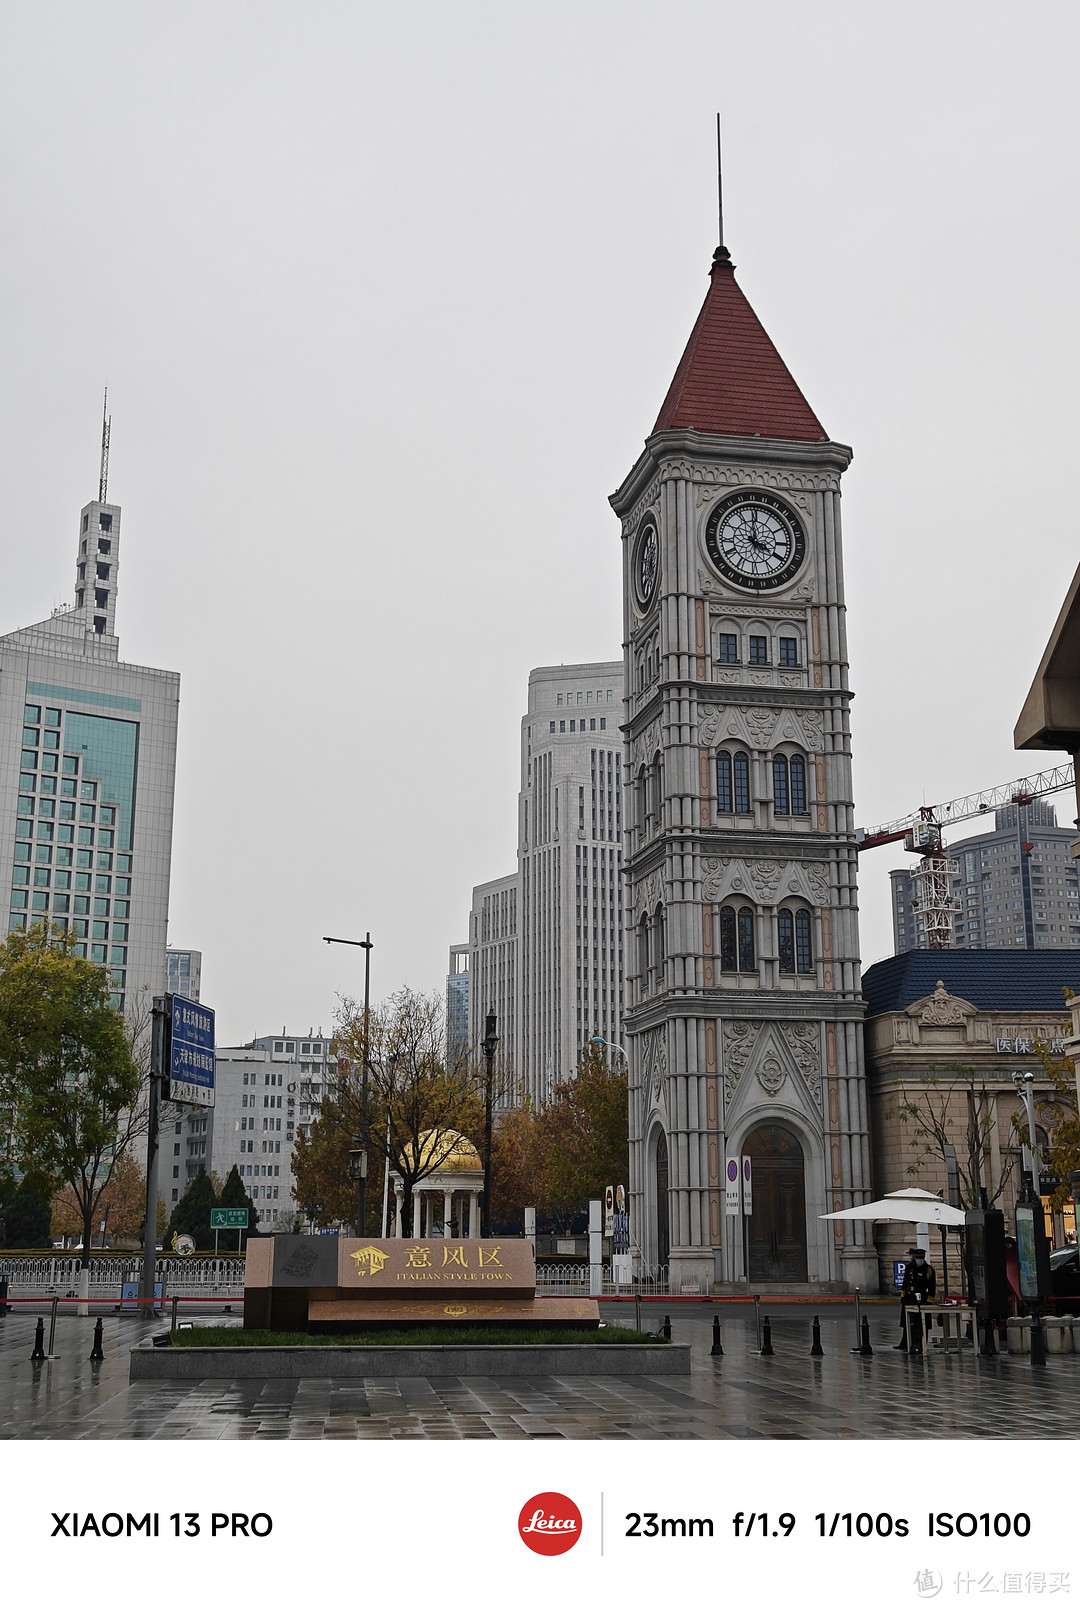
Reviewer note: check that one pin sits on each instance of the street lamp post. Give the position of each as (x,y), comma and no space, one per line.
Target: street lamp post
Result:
(1030,1231)
(358,1169)
(489,1046)
(1025,1085)
(616,1047)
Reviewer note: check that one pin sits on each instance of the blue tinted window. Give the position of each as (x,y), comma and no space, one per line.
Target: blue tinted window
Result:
(109,752)
(32,714)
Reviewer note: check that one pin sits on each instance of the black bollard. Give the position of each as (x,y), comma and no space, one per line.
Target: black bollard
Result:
(815,1349)
(766,1339)
(866,1349)
(38,1353)
(717,1347)
(665,1328)
(97,1355)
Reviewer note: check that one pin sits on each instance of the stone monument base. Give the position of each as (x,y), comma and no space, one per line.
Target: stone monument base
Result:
(541,1312)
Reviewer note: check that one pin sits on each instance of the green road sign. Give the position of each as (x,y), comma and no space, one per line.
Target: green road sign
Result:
(228,1217)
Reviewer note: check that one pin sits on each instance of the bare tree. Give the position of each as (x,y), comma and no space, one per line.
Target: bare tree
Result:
(419,1096)
(954,1108)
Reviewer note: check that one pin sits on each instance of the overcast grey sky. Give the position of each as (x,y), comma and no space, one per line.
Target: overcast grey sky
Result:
(387,298)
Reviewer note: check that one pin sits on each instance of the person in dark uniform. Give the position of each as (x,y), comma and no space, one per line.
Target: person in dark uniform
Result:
(919,1287)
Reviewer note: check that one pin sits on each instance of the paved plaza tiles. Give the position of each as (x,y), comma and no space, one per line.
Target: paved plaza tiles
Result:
(740,1396)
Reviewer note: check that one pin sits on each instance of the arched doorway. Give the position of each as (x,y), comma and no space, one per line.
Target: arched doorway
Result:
(777,1228)
(663,1222)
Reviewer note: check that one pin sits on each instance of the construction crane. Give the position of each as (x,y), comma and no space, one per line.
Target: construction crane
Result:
(921,832)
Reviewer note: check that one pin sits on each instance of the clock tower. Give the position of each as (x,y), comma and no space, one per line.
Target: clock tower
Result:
(744,1012)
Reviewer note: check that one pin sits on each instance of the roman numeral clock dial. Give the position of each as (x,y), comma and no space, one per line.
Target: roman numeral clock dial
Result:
(755,541)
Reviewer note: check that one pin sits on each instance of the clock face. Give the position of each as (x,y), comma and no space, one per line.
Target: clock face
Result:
(755,540)
(647,564)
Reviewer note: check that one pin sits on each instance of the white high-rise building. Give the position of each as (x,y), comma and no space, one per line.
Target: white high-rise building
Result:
(547,941)
(87,762)
(184,972)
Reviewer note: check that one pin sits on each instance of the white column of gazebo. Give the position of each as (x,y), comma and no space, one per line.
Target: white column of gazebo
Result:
(425,1203)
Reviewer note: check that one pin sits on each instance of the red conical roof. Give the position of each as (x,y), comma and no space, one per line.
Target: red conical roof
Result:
(731,380)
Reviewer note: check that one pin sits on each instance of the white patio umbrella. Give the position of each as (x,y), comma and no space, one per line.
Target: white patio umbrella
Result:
(904,1206)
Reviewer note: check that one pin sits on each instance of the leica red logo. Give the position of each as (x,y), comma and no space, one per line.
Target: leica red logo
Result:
(549,1523)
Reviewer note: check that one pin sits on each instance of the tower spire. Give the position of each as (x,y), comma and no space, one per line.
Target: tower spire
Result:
(721,254)
(106,431)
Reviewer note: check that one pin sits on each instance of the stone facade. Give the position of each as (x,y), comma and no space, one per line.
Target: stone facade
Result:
(955,1062)
(734,1050)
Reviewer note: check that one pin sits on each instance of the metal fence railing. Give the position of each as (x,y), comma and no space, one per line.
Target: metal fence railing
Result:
(572,1278)
(181,1275)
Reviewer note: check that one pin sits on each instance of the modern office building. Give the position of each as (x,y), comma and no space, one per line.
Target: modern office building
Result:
(267,1092)
(183,972)
(87,761)
(570,829)
(546,948)
(745,1014)
(457,1001)
(1015,887)
(494,976)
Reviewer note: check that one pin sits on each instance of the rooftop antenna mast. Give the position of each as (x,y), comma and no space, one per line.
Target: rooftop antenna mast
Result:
(106,431)
(721,254)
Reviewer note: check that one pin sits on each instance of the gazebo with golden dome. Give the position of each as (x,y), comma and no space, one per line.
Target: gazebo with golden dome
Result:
(457,1176)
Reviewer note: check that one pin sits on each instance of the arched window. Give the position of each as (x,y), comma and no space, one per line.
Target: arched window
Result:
(793,941)
(658,944)
(658,792)
(729,954)
(643,955)
(804,954)
(737,939)
(798,784)
(746,940)
(741,769)
(643,803)
(723,783)
(789,784)
(781,788)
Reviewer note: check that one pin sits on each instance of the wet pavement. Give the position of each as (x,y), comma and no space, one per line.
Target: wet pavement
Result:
(740,1396)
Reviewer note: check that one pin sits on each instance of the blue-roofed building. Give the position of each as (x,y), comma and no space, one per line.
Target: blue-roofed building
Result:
(946,1030)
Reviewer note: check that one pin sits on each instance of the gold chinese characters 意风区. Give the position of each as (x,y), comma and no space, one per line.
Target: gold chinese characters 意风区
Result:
(492,1266)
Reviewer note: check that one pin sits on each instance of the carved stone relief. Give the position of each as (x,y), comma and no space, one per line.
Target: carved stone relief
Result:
(760,724)
(645,745)
(710,721)
(771,1075)
(764,876)
(941,1010)
(763,879)
(803,1040)
(649,892)
(778,479)
(739,1039)
(818,878)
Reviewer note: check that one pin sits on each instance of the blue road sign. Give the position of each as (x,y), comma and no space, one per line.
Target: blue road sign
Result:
(191,1052)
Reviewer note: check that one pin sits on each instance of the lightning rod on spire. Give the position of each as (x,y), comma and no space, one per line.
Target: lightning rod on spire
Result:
(719,183)
(721,255)
(106,431)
